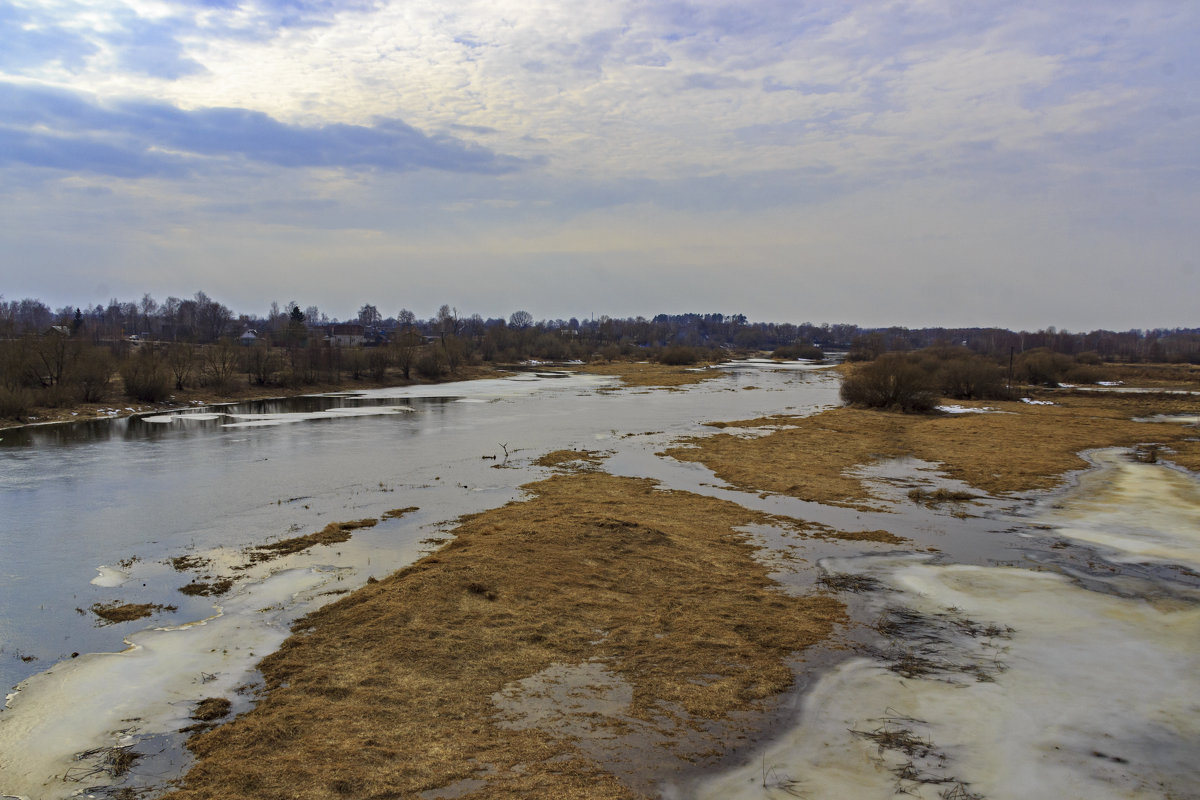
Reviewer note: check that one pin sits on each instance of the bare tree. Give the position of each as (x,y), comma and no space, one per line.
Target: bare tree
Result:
(220,363)
(447,321)
(368,316)
(181,360)
(405,347)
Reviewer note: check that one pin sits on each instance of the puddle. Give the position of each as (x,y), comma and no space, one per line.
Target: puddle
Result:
(576,700)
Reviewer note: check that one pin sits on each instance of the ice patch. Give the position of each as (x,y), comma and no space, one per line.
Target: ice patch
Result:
(1008,683)
(285,418)
(89,702)
(1141,512)
(766,363)
(957,409)
(1045,720)
(1032,402)
(160,419)
(109,576)
(1183,419)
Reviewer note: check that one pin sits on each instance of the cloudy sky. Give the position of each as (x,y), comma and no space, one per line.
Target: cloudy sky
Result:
(909,162)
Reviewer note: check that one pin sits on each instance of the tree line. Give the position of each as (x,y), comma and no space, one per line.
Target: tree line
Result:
(147,350)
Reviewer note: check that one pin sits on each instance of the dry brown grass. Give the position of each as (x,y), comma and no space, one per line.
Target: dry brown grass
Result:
(1028,447)
(387,692)
(332,533)
(211,708)
(650,374)
(571,459)
(208,587)
(396,513)
(127,612)
(1167,376)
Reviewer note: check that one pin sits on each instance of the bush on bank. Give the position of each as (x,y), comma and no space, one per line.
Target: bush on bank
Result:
(891,381)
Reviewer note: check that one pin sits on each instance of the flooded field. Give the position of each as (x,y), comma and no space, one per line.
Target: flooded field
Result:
(968,667)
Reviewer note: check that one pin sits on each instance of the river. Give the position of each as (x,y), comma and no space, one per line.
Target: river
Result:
(94,512)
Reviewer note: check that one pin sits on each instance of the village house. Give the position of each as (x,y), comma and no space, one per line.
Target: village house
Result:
(345,335)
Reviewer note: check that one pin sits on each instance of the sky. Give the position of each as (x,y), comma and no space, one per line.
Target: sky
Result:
(891,162)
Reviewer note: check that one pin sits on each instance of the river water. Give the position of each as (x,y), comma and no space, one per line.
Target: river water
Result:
(93,512)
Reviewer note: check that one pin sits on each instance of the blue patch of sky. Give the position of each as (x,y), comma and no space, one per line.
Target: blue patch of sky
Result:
(31,40)
(125,138)
(77,154)
(310,13)
(152,47)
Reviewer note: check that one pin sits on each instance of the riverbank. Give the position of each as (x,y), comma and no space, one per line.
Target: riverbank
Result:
(570,644)
(639,374)
(997,447)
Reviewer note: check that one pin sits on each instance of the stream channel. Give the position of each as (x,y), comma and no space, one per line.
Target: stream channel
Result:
(1045,647)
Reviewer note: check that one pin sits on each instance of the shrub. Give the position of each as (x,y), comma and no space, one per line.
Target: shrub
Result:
(378,361)
(1042,367)
(891,381)
(678,355)
(92,374)
(60,395)
(430,364)
(15,403)
(799,350)
(145,377)
(1085,373)
(610,352)
(971,377)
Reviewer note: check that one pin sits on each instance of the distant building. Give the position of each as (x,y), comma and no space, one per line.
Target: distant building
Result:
(249,337)
(347,335)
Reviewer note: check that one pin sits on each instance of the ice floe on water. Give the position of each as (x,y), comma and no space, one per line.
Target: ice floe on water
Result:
(284,418)
(199,416)
(768,363)
(1138,512)
(253,420)
(103,700)
(1002,682)
(109,576)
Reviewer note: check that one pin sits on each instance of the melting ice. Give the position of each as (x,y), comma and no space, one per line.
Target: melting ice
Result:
(1002,682)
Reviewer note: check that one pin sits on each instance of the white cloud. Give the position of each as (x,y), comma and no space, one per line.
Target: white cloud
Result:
(875,143)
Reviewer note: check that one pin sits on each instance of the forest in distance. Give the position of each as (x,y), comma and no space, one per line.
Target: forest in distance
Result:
(148,352)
